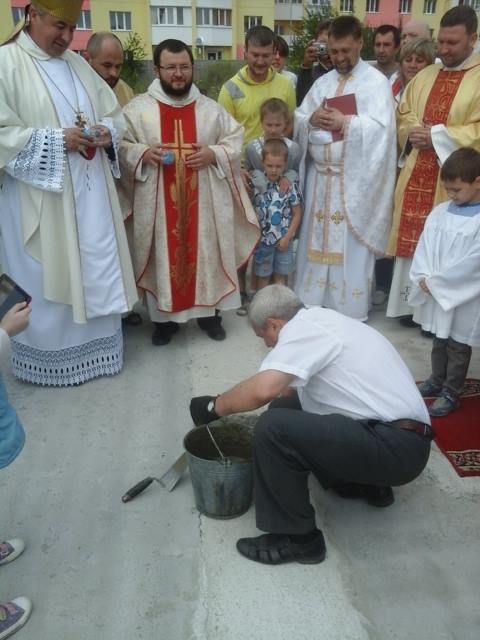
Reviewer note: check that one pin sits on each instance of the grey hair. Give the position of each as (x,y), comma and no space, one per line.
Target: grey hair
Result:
(273,301)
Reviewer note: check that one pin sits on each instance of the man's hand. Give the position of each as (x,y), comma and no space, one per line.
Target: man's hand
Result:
(102,136)
(154,155)
(201,159)
(328,119)
(310,55)
(75,138)
(200,411)
(420,138)
(282,244)
(16,319)
(423,285)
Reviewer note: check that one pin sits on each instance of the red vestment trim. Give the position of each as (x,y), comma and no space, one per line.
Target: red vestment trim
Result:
(180,186)
(419,196)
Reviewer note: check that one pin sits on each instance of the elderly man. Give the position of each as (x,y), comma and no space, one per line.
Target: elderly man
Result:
(106,55)
(346,127)
(193,224)
(62,229)
(358,428)
(414,29)
(439,112)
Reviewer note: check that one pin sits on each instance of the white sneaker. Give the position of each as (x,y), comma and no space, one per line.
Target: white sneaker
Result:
(11,549)
(13,615)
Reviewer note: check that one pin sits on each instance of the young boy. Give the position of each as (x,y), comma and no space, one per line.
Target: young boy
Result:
(279,214)
(446,280)
(275,121)
(13,614)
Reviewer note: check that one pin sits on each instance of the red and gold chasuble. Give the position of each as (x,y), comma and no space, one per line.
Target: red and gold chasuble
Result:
(180,186)
(420,190)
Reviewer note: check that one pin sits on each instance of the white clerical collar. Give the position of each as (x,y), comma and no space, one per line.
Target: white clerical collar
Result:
(157,93)
(31,47)
(462,65)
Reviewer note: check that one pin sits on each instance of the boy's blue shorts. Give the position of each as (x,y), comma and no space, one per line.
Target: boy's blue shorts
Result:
(268,259)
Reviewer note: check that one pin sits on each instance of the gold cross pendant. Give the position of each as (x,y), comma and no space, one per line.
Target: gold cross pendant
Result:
(81,120)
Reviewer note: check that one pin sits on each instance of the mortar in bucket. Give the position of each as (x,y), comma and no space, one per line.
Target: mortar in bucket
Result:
(221,468)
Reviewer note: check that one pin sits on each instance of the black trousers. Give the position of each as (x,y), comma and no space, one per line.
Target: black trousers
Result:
(290,443)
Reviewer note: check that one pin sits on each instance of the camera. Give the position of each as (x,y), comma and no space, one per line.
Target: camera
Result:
(321,47)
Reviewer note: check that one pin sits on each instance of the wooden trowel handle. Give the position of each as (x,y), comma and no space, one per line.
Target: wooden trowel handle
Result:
(138,488)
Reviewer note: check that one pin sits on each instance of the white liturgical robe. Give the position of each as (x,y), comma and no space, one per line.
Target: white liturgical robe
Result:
(448,258)
(348,186)
(62,230)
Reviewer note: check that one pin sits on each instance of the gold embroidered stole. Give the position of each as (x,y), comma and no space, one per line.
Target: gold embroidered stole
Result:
(181,203)
(420,190)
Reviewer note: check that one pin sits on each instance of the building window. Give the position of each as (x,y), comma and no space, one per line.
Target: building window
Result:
(405,6)
(346,6)
(166,15)
(214,17)
(279,29)
(84,20)
(17,14)
(323,4)
(429,6)
(222,17)
(251,21)
(120,21)
(372,6)
(475,4)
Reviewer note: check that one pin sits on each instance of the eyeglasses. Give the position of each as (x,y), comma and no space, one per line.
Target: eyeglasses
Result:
(172,68)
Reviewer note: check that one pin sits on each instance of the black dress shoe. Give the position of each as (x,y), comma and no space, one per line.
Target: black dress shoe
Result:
(213,327)
(163,332)
(279,548)
(427,334)
(132,320)
(375,496)
(408,321)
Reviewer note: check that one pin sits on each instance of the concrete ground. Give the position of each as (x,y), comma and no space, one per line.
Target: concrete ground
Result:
(154,569)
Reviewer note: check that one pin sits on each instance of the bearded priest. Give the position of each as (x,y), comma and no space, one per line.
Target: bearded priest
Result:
(191,221)
(62,229)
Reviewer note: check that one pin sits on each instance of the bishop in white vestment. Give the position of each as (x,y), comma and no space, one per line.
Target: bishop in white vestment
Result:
(348,180)
(62,230)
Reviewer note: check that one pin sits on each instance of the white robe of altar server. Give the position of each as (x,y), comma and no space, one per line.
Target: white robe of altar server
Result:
(62,229)
(448,257)
(348,187)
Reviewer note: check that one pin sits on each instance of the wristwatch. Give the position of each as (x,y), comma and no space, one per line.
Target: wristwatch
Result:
(211,405)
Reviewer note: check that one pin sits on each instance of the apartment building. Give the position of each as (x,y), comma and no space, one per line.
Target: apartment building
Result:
(122,17)
(289,13)
(216,28)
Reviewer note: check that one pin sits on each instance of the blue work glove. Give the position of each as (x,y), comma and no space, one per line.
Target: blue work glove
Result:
(202,410)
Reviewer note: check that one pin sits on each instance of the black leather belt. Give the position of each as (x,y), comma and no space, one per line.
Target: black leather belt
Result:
(414,425)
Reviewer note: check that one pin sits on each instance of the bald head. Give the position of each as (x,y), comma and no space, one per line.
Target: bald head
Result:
(105,54)
(415,29)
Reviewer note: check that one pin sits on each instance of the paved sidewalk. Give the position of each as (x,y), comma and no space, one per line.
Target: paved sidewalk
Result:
(155,569)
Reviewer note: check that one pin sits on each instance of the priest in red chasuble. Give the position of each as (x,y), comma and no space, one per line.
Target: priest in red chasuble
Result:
(439,112)
(191,222)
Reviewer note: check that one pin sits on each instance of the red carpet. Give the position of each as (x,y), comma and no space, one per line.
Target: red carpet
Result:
(458,434)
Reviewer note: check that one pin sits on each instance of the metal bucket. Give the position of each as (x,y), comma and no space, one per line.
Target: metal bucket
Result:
(222,487)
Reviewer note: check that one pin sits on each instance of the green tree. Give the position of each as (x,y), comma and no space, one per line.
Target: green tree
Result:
(134,67)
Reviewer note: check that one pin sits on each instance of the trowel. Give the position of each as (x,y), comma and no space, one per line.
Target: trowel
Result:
(169,479)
